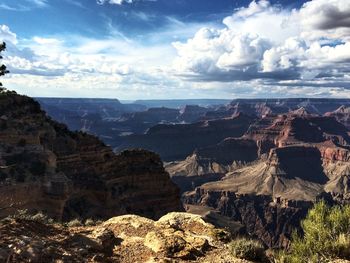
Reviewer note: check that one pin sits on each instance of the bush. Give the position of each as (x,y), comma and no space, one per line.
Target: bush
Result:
(74,223)
(248,249)
(23,214)
(90,222)
(326,236)
(42,218)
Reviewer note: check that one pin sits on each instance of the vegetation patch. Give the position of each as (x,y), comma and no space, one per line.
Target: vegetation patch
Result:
(248,249)
(326,236)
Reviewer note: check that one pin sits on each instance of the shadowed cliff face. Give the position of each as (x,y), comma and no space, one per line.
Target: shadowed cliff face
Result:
(342,114)
(299,162)
(175,142)
(45,167)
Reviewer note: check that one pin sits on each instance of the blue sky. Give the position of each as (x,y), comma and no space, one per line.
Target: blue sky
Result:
(136,49)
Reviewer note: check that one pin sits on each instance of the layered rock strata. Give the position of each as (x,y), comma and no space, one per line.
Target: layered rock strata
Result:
(45,167)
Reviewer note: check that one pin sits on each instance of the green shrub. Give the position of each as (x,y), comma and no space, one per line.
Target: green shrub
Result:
(74,223)
(90,222)
(42,218)
(23,214)
(326,236)
(248,249)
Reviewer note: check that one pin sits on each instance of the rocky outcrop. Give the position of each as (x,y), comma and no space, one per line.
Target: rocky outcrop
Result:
(297,127)
(211,163)
(45,167)
(176,237)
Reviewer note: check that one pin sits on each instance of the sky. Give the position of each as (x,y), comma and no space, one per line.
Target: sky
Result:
(177,49)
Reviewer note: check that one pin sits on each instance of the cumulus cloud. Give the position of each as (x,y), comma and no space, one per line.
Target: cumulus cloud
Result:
(261,50)
(7,35)
(326,14)
(265,42)
(324,18)
(263,19)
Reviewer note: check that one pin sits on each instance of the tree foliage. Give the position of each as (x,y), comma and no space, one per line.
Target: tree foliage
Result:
(326,236)
(3,69)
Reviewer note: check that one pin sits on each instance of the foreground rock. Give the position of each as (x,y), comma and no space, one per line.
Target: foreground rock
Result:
(176,237)
(45,167)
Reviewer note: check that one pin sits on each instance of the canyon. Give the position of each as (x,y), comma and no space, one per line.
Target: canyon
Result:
(254,167)
(46,167)
(272,174)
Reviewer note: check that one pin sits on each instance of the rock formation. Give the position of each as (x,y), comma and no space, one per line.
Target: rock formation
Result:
(262,107)
(254,166)
(211,163)
(175,142)
(176,237)
(45,167)
(271,197)
(289,161)
(192,113)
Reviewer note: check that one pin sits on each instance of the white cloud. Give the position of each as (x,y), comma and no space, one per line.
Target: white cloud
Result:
(267,43)
(24,5)
(263,19)
(39,3)
(261,51)
(326,14)
(325,18)
(46,41)
(212,51)
(87,67)
(120,2)
(7,35)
